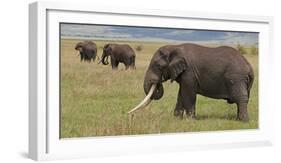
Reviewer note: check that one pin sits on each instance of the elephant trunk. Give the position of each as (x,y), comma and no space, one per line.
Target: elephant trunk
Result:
(158,93)
(150,79)
(104,59)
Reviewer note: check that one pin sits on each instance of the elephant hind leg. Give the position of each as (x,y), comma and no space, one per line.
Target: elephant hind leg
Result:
(126,67)
(94,58)
(133,66)
(239,94)
(242,113)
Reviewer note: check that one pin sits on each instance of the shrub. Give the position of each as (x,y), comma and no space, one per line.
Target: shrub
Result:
(254,50)
(241,49)
(139,48)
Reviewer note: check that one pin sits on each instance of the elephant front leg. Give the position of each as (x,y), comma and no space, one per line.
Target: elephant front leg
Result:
(81,57)
(242,113)
(178,112)
(114,64)
(126,67)
(188,96)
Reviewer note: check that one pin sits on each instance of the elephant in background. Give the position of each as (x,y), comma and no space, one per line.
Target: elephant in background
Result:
(219,73)
(119,53)
(87,50)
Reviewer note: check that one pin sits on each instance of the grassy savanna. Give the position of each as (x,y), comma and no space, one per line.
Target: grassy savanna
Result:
(95,99)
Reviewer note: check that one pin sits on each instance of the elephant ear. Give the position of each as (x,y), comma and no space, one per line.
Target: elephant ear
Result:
(78,45)
(107,48)
(176,66)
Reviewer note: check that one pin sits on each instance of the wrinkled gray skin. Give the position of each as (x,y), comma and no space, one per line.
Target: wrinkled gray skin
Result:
(87,50)
(119,53)
(219,73)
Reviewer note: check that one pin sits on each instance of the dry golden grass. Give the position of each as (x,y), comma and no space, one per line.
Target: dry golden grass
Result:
(95,100)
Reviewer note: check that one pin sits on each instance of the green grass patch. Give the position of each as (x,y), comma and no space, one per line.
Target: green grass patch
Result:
(95,100)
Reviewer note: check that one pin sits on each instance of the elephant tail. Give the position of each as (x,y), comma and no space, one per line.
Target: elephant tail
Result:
(133,59)
(250,82)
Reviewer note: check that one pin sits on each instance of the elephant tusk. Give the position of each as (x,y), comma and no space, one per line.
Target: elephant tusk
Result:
(145,101)
(106,60)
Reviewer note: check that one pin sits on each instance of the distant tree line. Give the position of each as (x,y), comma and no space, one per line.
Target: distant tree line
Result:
(253,49)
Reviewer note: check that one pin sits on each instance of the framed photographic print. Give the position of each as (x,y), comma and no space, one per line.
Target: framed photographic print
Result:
(110,81)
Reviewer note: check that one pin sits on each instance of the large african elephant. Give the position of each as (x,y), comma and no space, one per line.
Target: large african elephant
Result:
(119,53)
(220,73)
(87,50)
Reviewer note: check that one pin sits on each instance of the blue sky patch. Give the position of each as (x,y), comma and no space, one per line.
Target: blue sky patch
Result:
(157,34)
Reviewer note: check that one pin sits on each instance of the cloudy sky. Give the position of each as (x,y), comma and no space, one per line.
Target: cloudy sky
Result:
(157,34)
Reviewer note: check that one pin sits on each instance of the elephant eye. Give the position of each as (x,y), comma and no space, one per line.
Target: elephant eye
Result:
(156,66)
(160,66)
(164,58)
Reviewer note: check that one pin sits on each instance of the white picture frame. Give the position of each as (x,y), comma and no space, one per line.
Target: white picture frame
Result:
(44,141)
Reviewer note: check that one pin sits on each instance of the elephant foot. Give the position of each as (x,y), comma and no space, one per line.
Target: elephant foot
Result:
(178,113)
(242,113)
(243,117)
(190,114)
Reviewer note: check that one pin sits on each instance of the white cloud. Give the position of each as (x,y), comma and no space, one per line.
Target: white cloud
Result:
(91,31)
(179,32)
(112,32)
(240,37)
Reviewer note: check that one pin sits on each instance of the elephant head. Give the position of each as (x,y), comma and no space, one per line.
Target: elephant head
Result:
(79,46)
(107,51)
(167,63)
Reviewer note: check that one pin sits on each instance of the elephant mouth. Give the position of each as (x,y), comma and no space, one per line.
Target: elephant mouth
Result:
(154,91)
(158,92)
